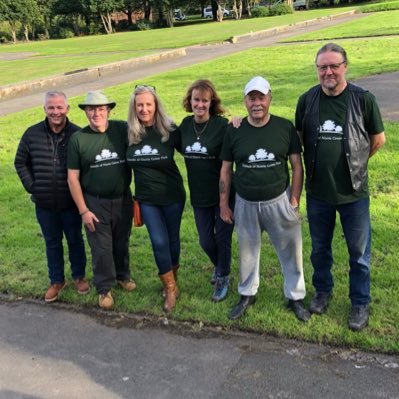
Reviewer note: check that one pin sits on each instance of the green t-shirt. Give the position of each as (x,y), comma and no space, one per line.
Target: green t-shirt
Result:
(331,180)
(100,157)
(156,176)
(260,155)
(200,146)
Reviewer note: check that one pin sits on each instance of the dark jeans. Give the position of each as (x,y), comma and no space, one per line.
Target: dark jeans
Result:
(355,221)
(214,237)
(54,225)
(109,243)
(163,225)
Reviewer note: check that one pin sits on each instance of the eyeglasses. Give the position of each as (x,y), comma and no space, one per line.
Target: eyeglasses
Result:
(333,67)
(145,87)
(91,109)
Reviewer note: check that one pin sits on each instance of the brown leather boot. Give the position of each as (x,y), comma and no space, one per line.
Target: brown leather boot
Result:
(175,268)
(171,291)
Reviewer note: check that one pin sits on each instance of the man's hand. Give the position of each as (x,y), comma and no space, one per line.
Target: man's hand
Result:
(226,214)
(88,219)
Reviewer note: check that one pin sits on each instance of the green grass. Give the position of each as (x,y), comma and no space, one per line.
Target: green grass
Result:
(379,24)
(383,6)
(290,70)
(89,51)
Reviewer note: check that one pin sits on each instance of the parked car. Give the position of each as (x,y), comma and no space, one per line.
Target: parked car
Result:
(179,16)
(208,12)
(300,5)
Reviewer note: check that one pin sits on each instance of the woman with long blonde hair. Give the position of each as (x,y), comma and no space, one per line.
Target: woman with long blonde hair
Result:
(158,182)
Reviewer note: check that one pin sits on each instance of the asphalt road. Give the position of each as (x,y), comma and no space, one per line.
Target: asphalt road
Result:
(52,351)
(195,55)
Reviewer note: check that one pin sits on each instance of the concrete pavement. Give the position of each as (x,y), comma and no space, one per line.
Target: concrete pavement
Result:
(55,350)
(194,55)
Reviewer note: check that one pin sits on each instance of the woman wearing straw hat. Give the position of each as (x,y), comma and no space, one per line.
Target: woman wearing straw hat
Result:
(158,183)
(99,181)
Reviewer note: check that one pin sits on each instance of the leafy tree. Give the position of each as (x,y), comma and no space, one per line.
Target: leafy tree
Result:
(102,9)
(73,10)
(19,12)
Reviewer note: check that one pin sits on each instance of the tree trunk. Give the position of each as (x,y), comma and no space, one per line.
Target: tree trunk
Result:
(26,32)
(169,18)
(107,22)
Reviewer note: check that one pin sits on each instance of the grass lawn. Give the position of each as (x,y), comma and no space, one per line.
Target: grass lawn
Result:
(370,25)
(49,56)
(290,69)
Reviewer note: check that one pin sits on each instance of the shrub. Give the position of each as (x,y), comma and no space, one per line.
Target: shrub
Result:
(260,12)
(142,25)
(280,9)
(64,33)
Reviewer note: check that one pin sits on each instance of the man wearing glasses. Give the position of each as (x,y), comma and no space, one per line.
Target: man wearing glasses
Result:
(341,128)
(99,181)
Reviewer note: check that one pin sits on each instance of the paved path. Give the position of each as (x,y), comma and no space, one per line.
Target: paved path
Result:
(195,55)
(58,351)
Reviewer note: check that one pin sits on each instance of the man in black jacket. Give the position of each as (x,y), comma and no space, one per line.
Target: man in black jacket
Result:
(341,127)
(40,162)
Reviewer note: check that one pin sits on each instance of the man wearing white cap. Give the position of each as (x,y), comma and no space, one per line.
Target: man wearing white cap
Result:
(99,180)
(265,199)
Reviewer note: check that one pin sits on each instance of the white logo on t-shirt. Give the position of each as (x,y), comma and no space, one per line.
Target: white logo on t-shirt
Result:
(329,126)
(196,148)
(146,150)
(261,155)
(106,155)
(106,158)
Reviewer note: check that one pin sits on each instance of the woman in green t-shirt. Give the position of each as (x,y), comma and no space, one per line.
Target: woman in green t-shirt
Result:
(201,141)
(158,183)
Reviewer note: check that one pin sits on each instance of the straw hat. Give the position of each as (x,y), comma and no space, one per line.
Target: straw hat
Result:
(97,98)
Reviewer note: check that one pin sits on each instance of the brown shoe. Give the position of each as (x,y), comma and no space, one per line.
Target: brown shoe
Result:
(82,286)
(53,291)
(105,301)
(174,270)
(171,291)
(128,285)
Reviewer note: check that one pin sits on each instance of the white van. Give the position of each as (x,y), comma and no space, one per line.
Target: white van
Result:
(208,12)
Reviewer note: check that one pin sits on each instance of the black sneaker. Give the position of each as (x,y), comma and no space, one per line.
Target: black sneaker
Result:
(221,288)
(213,278)
(299,309)
(242,306)
(319,302)
(358,317)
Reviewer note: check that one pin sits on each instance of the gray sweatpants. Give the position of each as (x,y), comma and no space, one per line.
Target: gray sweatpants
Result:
(282,223)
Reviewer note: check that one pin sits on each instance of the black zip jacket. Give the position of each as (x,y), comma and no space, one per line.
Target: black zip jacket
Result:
(41,164)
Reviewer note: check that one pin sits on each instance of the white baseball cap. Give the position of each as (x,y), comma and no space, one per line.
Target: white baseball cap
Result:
(259,84)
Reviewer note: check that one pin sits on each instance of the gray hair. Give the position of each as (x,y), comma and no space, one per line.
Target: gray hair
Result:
(163,124)
(55,93)
(336,48)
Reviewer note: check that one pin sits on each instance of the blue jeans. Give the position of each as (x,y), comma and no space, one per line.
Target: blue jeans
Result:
(214,237)
(355,221)
(54,224)
(163,225)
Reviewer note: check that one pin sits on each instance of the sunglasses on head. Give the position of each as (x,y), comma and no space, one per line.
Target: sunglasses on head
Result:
(145,87)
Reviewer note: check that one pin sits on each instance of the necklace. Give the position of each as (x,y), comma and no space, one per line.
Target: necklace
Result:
(199,132)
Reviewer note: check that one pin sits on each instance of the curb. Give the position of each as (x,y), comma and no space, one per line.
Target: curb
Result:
(83,75)
(286,28)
